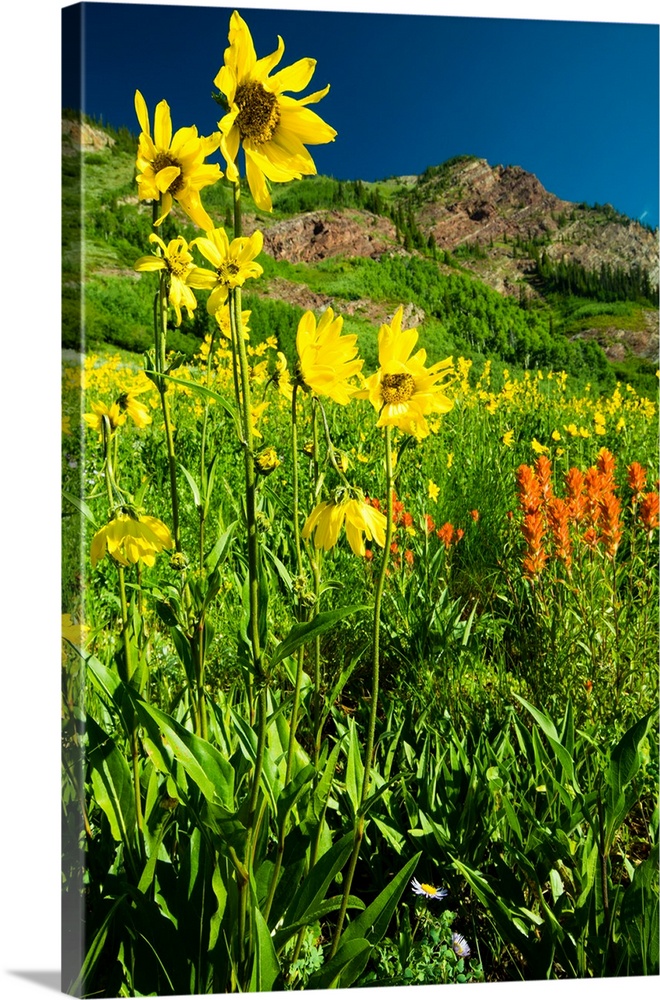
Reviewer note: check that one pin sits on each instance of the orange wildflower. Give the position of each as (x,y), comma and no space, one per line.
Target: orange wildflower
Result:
(429,523)
(575,497)
(590,538)
(648,511)
(605,464)
(596,488)
(610,513)
(558,523)
(446,534)
(636,480)
(474,514)
(410,558)
(543,469)
(529,490)
(536,556)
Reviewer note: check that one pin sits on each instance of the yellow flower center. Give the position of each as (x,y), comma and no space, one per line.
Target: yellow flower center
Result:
(259,112)
(163,160)
(178,264)
(430,889)
(227,272)
(397,388)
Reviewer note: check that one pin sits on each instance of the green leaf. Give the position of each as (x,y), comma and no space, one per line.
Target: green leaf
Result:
(80,505)
(588,874)
(314,888)
(111,782)
(546,724)
(327,906)
(354,767)
(373,923)
(304,631)
(564,759)
(95,950)
(193,486)
(556,884)
(211,772)
(201,390)
(220,893)
(266,968)
(344,968)
(625,758)
(248,741)
(219,551)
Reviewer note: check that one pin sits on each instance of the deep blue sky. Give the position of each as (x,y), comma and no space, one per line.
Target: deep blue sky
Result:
(576,103)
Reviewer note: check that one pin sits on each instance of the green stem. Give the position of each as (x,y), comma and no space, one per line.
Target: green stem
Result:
(299,564)
(161,337)
(375,679)
(250,479)
(245,406)
(316,570)
(135,745)
(330,446)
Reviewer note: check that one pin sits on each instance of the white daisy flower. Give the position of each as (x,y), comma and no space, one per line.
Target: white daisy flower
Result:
(430,891)
(460,945)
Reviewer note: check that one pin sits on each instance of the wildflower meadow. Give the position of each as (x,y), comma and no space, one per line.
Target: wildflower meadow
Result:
(360,660)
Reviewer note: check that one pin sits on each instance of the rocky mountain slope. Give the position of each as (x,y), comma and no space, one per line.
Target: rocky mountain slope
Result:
(494,224)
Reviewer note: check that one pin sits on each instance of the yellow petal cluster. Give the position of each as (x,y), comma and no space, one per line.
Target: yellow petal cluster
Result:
(131,539)
(403,391)
(176,259)
(232,264)
(101,411)
(360,519)
(72,632)
(326,358)
(135,409)
(272,127)
(171,166)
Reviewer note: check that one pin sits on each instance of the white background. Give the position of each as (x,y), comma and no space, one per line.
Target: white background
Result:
(29,476)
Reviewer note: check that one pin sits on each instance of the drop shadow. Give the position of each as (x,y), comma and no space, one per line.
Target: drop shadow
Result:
(49,980)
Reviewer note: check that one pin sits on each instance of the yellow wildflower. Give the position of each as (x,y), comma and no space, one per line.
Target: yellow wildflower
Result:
(267,461)
(177,260)
(256,413)
(130,538)
(272,127)
(72,632)
(112,414)
(507,438)
(281,377)
(450,459)
(233,263)
(136,410)
(173,166)
(403,391)
(326,359)
(556,436)
(328,517)
(539,448)
(223,321)
(434,491)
